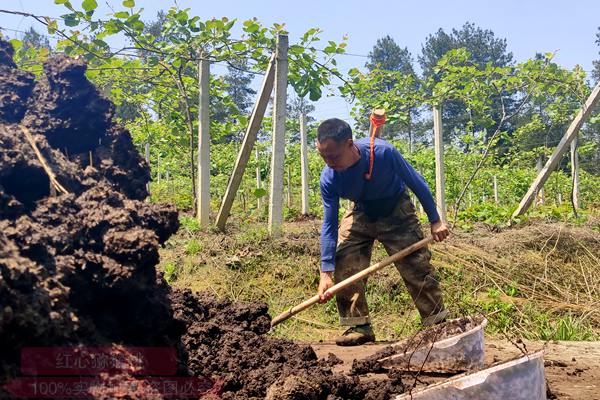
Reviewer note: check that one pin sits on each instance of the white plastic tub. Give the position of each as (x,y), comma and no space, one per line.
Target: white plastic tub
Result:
(451,354)
(519,379)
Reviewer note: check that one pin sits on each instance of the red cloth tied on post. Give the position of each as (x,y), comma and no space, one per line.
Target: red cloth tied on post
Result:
(377,121)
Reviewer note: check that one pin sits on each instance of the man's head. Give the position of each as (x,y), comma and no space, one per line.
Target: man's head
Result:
(334,143)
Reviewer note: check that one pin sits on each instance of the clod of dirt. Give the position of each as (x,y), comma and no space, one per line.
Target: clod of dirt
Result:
(372,363)
(227,339)
(377,390)
(68,109)
(555,363)
(295,387)
(332,360)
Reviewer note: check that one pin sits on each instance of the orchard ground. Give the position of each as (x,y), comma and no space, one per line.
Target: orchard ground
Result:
(537,280)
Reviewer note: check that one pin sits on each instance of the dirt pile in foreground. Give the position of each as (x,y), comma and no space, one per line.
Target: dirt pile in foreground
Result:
(79,246)
(228,340)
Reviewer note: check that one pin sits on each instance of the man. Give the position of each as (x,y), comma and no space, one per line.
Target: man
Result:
(381,211)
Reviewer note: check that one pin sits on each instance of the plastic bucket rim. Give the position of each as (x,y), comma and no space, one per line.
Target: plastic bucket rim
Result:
(488,371)
(454,338)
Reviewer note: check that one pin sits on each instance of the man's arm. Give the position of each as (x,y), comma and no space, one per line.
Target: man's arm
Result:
(329,232)
(417,184)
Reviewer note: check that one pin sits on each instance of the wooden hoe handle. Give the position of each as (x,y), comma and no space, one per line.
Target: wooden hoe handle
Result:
(352,279)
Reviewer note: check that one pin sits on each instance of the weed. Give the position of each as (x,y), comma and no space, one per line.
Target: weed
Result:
(189,224)
(170,270)
(193,247)
(566,327)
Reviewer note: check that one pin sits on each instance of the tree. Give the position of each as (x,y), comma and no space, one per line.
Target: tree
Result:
(155,28)
(32,49)
(596,71)
(387,55)
(484,48)
(389,58)
(238,84)
(482,44)
(590,154)
(32,38)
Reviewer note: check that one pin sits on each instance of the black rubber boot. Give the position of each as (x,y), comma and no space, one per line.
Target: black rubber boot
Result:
(356,335)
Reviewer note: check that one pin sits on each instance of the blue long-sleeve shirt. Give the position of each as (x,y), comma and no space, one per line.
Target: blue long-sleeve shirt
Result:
(391,174)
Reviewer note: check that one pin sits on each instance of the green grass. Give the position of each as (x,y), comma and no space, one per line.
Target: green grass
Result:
(566,327)
(193,247)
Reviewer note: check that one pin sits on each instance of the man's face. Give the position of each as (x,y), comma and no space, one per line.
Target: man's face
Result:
(338,156)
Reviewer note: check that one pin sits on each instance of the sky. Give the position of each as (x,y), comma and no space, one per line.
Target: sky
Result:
(568,27)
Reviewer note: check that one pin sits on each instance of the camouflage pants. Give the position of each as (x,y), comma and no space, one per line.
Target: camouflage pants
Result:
(400,229)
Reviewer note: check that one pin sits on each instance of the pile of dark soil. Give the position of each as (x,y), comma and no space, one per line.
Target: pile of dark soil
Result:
(228,340)
(79,246)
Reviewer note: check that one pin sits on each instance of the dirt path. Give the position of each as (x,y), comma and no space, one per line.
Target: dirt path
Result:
(572,368)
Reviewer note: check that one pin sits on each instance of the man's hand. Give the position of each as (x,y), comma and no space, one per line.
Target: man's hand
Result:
(439,231)
(325,283)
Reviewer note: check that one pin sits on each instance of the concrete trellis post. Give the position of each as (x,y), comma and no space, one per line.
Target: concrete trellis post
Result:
(561,148)
(147,157)
(203,198)
(258,180)
(278,152)
(540,196)
(496,198)
(440,183)
(575,173)
(245,152)
(304,165)
(158,170)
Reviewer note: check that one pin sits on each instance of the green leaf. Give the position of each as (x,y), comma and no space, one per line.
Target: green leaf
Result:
(314,93)
(60,1)
(112,27)
(129,3)
(250,26)
(238,46)
(122,14)
(16,44)
(52,25)
(259,192)
(101,44)
(70,20)
(181,17)
(89,5)
(192,24)
(138,26)
(153,61)
(296,49)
